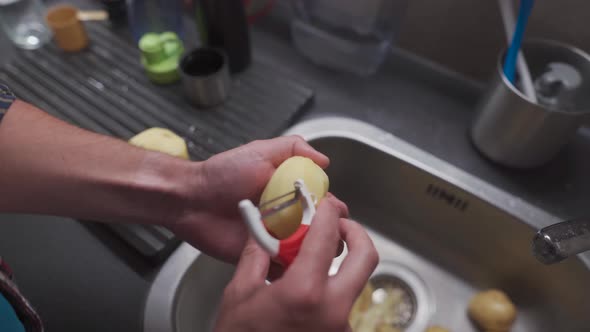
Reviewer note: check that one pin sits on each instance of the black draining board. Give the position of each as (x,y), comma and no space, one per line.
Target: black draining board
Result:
(104,89)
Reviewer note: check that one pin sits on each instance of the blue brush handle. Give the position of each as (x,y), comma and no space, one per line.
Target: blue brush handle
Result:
(526,6)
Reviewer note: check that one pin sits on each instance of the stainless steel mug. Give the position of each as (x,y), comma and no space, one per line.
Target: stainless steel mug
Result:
(205,76)
(512,130)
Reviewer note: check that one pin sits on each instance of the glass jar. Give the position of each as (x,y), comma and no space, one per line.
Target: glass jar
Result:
(349,35)
(24,23)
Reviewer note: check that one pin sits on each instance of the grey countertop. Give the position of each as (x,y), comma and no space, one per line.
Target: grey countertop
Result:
(82,278)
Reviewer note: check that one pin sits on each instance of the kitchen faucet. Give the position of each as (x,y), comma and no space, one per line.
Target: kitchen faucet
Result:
(557,242)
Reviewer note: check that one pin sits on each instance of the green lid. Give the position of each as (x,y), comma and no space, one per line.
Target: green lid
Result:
(160,54)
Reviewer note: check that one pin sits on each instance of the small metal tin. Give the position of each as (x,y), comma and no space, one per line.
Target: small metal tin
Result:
(205,76)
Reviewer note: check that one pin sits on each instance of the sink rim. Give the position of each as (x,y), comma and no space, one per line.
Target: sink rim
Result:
(160,302)
(158,314)
(377,138)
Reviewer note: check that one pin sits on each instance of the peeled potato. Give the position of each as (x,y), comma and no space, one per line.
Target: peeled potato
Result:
(161,140)
(492,310)
(285,222)
(436,329)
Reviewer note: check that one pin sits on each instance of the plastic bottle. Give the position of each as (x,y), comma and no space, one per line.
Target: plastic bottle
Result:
(155,16)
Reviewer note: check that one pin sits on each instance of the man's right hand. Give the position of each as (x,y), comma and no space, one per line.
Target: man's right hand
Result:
(305,298)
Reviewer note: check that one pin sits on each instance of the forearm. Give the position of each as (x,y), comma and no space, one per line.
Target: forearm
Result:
(50,167)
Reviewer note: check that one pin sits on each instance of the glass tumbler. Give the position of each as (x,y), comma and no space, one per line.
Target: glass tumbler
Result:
(24,22)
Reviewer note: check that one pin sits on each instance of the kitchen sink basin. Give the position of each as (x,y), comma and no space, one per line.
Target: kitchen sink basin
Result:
(440,232)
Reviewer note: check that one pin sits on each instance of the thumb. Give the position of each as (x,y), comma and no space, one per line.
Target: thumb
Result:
(253,266)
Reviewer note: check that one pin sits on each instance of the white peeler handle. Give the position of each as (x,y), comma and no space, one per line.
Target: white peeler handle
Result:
(253,219)
(307,203)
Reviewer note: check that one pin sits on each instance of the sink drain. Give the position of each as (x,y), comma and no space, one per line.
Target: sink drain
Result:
(414,304)
(391,286)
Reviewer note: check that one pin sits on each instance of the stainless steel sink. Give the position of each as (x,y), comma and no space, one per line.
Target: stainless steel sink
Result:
(441,232)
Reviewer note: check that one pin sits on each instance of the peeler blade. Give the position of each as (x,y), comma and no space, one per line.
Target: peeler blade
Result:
(274,209)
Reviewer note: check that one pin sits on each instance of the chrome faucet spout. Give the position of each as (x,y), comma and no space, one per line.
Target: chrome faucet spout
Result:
(557,242)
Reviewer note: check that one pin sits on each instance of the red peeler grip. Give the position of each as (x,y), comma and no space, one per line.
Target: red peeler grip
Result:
(289,247)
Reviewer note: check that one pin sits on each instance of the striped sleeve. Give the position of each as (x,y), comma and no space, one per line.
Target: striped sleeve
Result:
(6,99)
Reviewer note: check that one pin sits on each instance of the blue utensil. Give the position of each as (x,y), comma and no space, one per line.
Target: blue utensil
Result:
(526,7)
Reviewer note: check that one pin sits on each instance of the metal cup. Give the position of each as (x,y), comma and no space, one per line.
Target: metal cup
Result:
(512,130)
(205,76)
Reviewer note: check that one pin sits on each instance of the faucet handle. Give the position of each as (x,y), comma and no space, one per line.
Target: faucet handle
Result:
(557,242)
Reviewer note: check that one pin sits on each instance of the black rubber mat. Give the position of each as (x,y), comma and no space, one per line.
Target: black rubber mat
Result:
(104,89)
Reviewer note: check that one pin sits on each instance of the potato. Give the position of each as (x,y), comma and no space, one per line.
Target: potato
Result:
(161,140)
(492,311)
(436,329)
(285,222)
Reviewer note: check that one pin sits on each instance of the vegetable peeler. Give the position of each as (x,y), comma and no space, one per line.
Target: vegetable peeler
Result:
(283,251)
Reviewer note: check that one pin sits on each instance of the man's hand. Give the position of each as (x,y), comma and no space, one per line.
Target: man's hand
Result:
(53,168)
(211,220)
(305,298)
